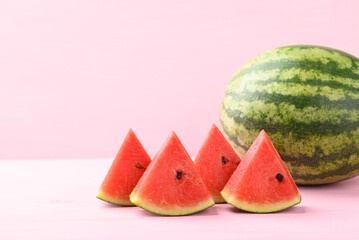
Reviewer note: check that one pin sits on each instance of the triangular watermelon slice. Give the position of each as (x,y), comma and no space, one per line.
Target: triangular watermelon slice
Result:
(215,162)
(127,168)
(261,183)
(171,184)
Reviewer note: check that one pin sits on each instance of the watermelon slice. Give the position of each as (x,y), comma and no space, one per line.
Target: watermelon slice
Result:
(171,184)
(127,168)
(261,183)
(215,162)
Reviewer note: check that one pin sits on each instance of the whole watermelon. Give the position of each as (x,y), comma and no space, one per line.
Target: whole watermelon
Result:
(307,99)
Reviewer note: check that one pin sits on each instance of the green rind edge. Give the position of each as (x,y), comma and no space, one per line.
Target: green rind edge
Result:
(300,200)
(138,204)
(348,55)
(116,203)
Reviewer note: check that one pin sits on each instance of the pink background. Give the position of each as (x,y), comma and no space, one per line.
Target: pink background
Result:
(76,75)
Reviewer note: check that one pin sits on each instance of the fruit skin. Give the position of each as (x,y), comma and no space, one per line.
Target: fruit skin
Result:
(127,168)
(215,162)
(307,100)
(261,183)
(163,191)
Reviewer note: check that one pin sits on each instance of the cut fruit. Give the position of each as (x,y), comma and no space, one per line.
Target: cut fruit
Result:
(171,184)
(261,183)
(215,162)
(127,168)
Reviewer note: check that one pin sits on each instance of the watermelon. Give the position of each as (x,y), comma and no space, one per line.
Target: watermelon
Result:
(307,100)
(171,184)
(261,183)
(215,162)
(127,168)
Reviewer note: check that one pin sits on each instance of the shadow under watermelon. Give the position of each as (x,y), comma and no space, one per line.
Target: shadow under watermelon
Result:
(208,212)
(292,210)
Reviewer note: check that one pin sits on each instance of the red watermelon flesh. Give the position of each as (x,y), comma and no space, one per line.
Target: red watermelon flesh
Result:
(261,183)
(216,161)
(127,168)
(171,184)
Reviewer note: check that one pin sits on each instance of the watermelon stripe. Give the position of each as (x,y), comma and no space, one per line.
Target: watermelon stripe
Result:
(322,168)
(300,101)
(296,89)
(319,156)
(330,51)
(302,129)
(331,67)
(311,83)
(288,145)
(286,112)
(263,75)
(312,53)
(316,159)
(231,138)
(319,52)
(341,171)
(290,75)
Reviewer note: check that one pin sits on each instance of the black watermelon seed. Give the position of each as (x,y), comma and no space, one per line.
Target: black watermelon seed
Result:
(224,160)
(179,175)
(279,177)
(139,166)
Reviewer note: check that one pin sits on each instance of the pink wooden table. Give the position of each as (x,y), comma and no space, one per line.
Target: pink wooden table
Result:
(55,199)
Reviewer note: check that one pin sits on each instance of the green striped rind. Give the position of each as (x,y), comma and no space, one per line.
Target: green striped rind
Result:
(316,57)
(260,208)
(107,198)
(175,210)
(307,100)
